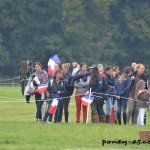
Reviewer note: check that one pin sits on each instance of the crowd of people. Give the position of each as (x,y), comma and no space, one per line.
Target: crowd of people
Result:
(127,93)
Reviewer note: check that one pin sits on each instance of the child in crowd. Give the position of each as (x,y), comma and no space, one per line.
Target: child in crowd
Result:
(143,97)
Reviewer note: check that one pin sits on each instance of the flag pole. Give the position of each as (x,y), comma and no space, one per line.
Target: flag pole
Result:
(88,108)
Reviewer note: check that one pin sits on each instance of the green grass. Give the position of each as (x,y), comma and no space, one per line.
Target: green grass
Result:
(19,132)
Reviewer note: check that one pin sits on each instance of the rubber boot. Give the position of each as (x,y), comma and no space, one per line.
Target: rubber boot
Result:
(124,118)
(94,117)
(102,118)
(66,116)
(107,118)
(119,118)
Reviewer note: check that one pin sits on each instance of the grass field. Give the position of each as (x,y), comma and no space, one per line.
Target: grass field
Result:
(19,132)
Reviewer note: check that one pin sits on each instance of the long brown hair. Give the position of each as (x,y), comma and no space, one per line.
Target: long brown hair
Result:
(94,74)
(57,71)
(138,88)
(127,70)
(24,68)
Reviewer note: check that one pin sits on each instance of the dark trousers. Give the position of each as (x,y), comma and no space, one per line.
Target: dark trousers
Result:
(28,98)
(66,102)
(22,87)
(39,103)
(58,113)
(100,110)
(94,112)
(23,84)
(121,103)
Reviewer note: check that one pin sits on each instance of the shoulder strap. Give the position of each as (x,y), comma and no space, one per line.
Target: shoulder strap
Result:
(62,84)
(51,82)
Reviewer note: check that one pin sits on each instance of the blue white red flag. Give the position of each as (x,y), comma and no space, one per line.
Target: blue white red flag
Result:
(87,100)
(54,104)
(42,88)
(51,63)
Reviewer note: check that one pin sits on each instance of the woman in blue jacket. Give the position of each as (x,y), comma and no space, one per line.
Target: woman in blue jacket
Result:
(121,91)
(110,91)
(96,87)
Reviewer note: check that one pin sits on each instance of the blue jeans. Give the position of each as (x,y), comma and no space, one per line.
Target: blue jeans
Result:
(46,113)
(39,103)
(109,103)
(100,110)
(57,117)
(122,102)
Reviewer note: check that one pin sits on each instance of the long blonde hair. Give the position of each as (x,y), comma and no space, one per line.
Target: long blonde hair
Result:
(127,70)
(138,87)
(139,65)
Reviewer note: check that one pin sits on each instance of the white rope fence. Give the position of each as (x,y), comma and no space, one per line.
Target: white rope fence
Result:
(10,82)
(20,100)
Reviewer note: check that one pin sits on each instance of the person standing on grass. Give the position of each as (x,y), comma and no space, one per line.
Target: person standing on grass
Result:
(50,77)
(55,87)
(132,105)
(110,91)
(29,63)
(143,96)
(116,71)
(43,77)
(100,109)
(24,74)
(81,85)
(121,91)
(68,92)
(96,87)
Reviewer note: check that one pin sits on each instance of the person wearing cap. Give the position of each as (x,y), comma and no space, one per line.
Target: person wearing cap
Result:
(96,87)
(81,86)
(43,77)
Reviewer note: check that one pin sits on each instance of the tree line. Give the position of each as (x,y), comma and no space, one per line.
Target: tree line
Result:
(95,31)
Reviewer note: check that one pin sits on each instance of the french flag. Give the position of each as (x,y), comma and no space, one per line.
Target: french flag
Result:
(87,100)
(51,63)
(42,88)
(54,104)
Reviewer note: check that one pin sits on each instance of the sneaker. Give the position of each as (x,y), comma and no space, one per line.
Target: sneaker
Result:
(49,122)
(35,120)
(43,122)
